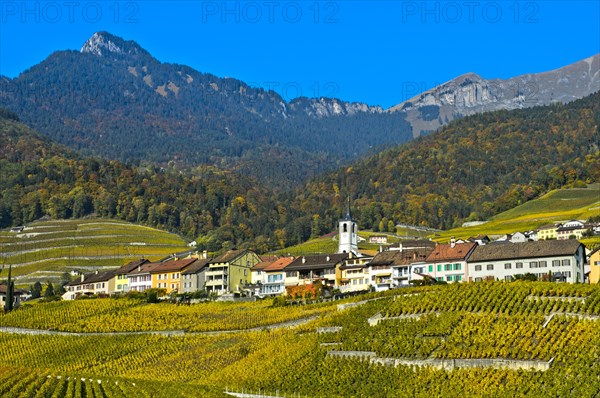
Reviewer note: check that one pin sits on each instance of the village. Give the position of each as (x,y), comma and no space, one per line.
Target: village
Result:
(550,253)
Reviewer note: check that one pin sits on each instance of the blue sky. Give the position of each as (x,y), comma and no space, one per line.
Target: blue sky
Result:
(380,53)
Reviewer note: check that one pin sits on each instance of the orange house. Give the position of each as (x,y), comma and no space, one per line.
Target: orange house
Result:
(167,275)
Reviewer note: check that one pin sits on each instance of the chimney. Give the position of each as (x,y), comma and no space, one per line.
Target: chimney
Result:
(303,260)
(96,272)
(205,254)
(328,258)
(82,277)
(139,268)
(452,242)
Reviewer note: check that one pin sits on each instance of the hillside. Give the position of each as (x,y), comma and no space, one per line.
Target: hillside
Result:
(115,100)
(556,205)
(44,250)
(502,340)
(39,177)
(471,170)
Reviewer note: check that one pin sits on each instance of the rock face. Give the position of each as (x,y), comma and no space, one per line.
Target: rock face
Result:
(325,107)
(469,94)
(104,43)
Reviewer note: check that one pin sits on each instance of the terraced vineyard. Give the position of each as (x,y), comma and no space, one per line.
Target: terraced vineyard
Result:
(43,250)
(557,205)
(520,339)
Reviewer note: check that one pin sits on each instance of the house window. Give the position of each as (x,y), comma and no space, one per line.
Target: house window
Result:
(478,267)
(458,278)
(449,278)
(457,267)
(490,267)
(345,227)
(448,267)
(566,263)
(478,279)
(556,263)
(519,265)
(439,267)
(430,267)
(245,272)
(533,264)
(119,287)
(508,278)
(543,264)
(507,266)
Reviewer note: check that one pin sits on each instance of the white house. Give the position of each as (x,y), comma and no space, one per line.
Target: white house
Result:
(90,284)
(564,260)
(140,279)
(448,262)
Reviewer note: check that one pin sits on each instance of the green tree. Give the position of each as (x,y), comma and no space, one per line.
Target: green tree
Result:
(36,290)
(10,292)
(49,293)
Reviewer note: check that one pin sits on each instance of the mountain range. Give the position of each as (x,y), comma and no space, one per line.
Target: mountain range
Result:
(470,94)
(471,169)
(115,100)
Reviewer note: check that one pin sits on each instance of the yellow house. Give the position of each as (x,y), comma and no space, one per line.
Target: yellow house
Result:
(546,232)
(354,275)
(595,266)
(231,271)
(167,275)
(120,282)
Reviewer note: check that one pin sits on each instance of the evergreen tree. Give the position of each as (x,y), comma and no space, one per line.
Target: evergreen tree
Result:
(49,291)
(36,290)
(10,292)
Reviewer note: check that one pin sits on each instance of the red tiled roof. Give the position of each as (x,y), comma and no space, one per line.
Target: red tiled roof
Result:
(445,252)
(263,264)
(279,264)
(175,265)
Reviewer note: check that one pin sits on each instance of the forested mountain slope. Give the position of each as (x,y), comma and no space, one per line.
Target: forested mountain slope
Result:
(472,169)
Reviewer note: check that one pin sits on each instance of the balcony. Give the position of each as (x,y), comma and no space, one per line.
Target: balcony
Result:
(216,282)
(279,282)
(217,272)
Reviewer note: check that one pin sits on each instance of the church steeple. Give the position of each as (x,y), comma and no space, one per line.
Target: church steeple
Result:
(348,216)
(348,232)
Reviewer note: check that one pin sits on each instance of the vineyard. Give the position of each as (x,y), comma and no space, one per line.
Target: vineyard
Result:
(43,250)
(130,315)
(555,206)
(557,324)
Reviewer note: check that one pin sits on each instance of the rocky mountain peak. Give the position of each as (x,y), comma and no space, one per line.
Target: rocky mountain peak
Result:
(104,43)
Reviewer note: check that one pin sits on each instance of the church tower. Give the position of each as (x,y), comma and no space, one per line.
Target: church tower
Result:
(348,233)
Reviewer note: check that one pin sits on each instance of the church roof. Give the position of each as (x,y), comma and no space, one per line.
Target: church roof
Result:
(347,217)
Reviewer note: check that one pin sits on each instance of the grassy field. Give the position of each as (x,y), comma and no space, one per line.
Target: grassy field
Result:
(44,250)
(498,331)
(557,205)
